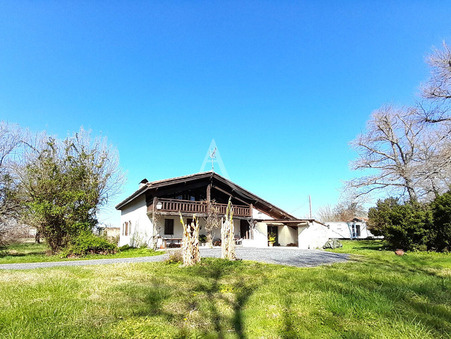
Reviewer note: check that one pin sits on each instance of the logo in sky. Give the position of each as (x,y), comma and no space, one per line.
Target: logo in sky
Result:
(214,157)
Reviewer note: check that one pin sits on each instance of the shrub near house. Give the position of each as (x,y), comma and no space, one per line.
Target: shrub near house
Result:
(413,225)
(88,243)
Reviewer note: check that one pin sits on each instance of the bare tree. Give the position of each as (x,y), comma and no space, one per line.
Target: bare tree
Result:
(434,167)
(66,182)
(10,202)
(326,213)
(350,206)
(438,87)
(401,154)
(346,211)
(10,139)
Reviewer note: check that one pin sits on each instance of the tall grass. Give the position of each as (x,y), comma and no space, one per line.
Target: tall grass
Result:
(31,252)
(375,295)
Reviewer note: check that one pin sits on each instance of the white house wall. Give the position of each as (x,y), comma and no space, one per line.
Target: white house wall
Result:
(256,214)
(287,235)
(313,236)
(178,228)
(343,230)
(260,236)
(339,230)
(141,229)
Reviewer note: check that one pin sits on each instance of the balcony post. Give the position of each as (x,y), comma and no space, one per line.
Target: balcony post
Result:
(208,199)
(154,231)
(251,208)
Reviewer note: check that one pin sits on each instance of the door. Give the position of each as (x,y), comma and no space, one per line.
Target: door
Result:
(275,231)
(244,229)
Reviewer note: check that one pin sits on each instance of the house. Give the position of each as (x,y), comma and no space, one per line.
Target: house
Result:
(353,229)
(151,214)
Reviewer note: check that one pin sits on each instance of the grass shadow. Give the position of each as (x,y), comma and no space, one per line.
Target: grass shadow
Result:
(411,294)
(200,300)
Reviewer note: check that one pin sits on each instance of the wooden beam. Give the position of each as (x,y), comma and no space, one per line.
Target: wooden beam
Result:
(184,214)
(208,198)
(181,180)
(225,192)
(177,188)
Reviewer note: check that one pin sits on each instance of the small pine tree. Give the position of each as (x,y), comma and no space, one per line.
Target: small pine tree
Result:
(406,226)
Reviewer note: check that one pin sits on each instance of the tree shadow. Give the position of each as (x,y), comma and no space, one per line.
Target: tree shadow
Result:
(288,330)
(411,300)
(215,292)
(245,290)
(4,254)
(214,285)
(241,289)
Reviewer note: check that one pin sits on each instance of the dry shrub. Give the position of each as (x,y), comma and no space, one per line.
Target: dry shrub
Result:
(13,232)
(175,257)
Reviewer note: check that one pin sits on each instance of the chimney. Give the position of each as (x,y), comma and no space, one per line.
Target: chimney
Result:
(143,183)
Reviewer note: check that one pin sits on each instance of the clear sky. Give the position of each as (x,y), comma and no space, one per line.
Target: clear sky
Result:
(282,86)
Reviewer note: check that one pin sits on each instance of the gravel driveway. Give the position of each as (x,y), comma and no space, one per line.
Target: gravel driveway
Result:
(290,256)
(278,255)
(154,258)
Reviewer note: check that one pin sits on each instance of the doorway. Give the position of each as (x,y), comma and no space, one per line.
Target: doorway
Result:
(244,229)
(274,230)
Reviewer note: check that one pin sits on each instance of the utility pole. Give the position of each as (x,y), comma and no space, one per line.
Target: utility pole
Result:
(310,205)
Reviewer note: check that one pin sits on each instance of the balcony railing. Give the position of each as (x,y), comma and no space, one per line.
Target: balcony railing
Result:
(196,207)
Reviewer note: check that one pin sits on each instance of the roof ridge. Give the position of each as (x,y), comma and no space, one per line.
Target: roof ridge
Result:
(176,178)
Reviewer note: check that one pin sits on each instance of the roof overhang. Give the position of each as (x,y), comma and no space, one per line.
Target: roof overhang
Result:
(291,222)
(259,203)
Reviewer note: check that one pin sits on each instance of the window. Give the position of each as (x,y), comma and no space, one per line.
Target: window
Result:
(244,229)
(125,229)
(129,227)
(357,230)
(169,226)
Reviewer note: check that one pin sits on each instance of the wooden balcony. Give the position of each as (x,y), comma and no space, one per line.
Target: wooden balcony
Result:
(170,206)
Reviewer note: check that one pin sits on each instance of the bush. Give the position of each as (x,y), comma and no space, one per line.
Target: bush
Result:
(441,230)
(88,243)
(125,248)
(413,226)
(175,257)
(407,226)
(202,238)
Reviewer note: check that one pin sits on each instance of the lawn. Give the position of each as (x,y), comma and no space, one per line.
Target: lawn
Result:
(31,252)
(375,295)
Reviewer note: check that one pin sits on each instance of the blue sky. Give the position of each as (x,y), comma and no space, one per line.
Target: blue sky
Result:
(282,86)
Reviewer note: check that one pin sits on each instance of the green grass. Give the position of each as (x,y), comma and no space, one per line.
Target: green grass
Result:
(31,252)
(375,295)
(375,250)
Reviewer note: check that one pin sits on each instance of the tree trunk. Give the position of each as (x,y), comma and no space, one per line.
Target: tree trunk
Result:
(190,242)
(228,235)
